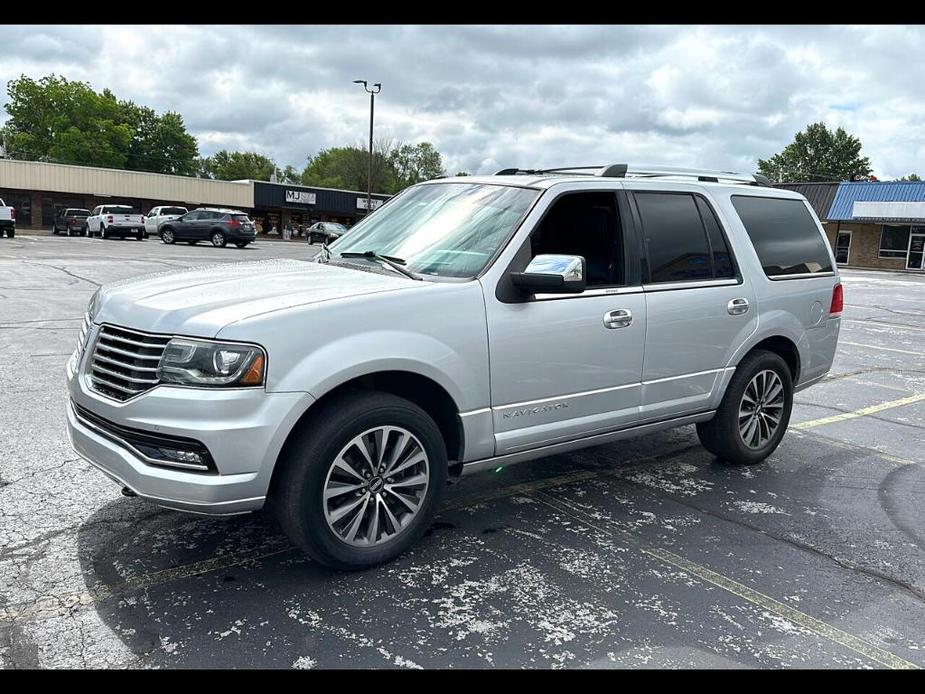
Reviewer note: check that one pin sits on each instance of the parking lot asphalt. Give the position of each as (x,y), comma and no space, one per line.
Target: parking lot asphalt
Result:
(644,553)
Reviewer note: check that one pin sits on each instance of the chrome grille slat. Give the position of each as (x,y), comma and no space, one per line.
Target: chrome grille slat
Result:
(138,344)
(97,379)
(133,355)
(124,365)
(124,362)
(130,379)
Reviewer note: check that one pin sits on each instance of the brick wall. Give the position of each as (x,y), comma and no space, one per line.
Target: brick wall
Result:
(865,246)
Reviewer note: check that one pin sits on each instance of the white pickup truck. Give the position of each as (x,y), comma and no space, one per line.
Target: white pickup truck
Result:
(107,221)
(7,220)
(160,214)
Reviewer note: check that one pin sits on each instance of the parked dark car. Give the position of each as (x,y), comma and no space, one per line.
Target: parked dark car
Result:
(218,226)
(73,220)
(326,232)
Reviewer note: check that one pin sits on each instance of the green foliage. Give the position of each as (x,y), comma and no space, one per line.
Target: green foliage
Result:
(911,177)
(818,154)
(237,166)
(394,167)
(55,119)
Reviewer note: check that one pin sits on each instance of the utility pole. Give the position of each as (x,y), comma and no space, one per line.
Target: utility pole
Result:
(377,87)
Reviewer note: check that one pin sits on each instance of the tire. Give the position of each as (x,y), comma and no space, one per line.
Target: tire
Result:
(761,372)
(218,239)
(140,236)
(54,230)
(10,233)
(103,232)
(307,467)
(168,237)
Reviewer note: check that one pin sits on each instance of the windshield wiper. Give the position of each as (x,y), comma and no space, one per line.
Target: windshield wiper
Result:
(391,261)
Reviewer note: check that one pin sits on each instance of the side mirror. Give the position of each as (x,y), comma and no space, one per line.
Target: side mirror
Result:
(552,274)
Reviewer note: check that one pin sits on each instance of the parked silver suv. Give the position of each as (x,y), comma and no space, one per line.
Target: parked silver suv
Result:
(469,323)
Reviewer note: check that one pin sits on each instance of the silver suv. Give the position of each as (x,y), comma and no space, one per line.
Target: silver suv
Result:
(468,324)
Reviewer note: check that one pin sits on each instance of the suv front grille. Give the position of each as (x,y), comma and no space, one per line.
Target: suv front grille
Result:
(124,362)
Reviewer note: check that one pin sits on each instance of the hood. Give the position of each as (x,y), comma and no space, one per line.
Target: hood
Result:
(201,301)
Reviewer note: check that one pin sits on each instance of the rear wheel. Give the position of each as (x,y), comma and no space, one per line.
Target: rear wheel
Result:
(218,239)
(140,236)
(361,482)
(10,233)
(103,232)
(167,236)
(754,413)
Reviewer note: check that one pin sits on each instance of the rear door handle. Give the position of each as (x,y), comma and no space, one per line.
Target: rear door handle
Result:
(620,318)
(737,307)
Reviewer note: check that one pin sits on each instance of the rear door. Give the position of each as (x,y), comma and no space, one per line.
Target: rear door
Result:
(699,306)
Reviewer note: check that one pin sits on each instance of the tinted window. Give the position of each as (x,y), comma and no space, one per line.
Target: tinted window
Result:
(784,235)
(722,259)
(894,241)
(675,238)
(173,210)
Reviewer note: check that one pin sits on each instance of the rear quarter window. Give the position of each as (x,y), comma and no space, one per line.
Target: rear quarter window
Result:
(784,234)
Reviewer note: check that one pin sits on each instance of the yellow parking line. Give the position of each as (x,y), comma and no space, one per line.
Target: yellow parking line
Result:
(823,629)
(873,409)
(885,349)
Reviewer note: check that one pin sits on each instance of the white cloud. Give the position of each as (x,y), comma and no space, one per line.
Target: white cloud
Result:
(490,97)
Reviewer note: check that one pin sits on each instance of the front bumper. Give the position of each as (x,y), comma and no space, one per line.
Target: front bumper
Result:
(243,430)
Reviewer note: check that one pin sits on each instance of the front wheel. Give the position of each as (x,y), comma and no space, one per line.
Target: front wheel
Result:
(754,413)
(218,239)
(361,482)
(167,236)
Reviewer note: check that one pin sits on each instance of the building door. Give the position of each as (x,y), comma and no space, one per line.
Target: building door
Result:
(843,247)
(916,252)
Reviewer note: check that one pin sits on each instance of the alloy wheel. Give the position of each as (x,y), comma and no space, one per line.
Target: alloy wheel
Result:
(761,409)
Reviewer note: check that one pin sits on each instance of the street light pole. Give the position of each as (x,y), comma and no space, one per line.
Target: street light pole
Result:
(377,87)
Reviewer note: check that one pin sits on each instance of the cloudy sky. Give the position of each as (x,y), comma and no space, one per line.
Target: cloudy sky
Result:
(491,97)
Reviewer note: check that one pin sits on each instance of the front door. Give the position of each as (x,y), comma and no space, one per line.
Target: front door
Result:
(562,366)
(916,252)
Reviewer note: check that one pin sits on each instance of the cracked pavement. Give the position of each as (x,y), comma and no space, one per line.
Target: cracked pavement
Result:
(645,553)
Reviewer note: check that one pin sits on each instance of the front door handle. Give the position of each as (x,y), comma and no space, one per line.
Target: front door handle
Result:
(621,318)
(737,307)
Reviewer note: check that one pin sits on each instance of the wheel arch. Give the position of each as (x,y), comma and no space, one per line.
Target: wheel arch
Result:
(422,390)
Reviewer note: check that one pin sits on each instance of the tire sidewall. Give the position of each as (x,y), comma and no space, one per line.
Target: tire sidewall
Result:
(314,458)
(218,234)
(167,236)
(760,361)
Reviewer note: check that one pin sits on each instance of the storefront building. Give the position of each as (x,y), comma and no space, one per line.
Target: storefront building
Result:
(279,204)
(39,190)
(872,224)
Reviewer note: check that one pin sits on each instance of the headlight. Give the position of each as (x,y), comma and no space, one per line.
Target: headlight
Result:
(199,363)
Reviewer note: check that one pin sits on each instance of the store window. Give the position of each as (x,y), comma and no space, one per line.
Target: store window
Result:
(894,241)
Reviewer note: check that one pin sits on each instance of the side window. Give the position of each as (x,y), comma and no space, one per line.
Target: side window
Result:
(784,234)
(96,211)
(722,259)
(585,224)
(676,241)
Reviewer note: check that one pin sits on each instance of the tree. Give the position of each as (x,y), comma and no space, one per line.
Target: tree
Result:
(54,119)
(463,173)
(346,167)
(237,166)
(818,154)
(288,175)
(911,177)
(416,163)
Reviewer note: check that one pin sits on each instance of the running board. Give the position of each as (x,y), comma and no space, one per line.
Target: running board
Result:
(586,442)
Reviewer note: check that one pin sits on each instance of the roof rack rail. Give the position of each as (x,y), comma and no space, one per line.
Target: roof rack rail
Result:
(627,171)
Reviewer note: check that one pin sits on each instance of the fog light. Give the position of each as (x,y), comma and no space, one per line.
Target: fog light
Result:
(177,456)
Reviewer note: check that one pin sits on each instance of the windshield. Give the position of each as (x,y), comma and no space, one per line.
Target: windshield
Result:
(443,229)
(333,226)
